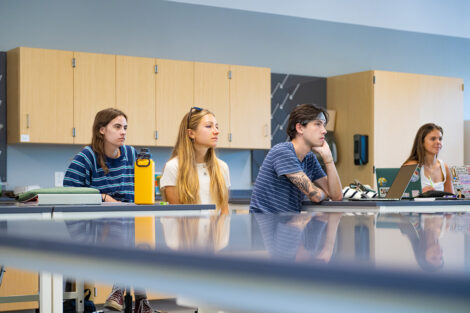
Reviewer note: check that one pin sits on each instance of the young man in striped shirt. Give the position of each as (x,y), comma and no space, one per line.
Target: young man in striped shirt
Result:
(291,170)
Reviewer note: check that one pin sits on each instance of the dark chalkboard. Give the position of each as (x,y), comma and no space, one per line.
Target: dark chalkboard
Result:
(288,91)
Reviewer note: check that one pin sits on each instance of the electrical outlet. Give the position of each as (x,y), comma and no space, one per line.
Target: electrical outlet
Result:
(59,179)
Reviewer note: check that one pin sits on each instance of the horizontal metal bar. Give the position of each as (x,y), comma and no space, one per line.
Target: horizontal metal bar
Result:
(26,298)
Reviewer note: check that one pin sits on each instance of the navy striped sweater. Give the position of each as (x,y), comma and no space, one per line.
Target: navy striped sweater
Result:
(85,171)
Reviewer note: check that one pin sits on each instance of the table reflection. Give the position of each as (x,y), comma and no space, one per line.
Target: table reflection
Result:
(196,233)
(417,242)
(424,233)
(299,238)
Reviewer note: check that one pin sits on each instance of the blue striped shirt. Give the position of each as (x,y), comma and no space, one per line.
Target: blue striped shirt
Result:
(283,237)
(273,191)
(85,171)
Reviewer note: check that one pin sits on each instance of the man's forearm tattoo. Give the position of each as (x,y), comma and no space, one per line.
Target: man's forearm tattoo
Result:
(312,194)
(305,185)
(300,181)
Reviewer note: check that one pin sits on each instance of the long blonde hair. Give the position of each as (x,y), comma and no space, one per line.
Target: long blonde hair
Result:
(187,181)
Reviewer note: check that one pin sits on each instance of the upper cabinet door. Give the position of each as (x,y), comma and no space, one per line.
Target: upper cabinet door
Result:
(94,90)
(211,92)
(174,97)
(410,101)
(40,95)
(135,96)
(250,89)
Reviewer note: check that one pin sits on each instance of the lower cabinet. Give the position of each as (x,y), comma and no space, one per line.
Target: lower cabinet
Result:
(15,283)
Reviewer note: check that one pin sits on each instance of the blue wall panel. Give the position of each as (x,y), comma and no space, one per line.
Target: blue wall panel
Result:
(153,28)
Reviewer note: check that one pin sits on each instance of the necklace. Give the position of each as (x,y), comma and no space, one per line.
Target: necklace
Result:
(204,170)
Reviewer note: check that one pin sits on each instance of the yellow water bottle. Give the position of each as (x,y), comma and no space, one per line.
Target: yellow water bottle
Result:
(144,232)
(144,184)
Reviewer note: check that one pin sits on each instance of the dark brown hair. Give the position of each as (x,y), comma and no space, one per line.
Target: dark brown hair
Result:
(417,152)
(303,114)
(102,119)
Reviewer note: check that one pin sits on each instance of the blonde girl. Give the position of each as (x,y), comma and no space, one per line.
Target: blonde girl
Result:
(194,174)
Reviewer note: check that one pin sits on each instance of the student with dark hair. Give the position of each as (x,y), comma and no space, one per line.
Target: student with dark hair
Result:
(291,170)
(107,164)
(435,174)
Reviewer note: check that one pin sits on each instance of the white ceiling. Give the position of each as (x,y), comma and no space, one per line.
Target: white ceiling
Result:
(440,17)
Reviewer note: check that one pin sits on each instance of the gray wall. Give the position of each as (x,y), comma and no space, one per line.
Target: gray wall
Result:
(35,164)
(152,28)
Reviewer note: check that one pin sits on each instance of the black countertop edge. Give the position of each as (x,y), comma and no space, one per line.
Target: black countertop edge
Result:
(395,281)
(14,209)
(239,201)
(139,208)
(353,203)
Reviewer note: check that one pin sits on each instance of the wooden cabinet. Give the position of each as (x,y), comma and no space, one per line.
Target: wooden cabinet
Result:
(135,96)
(19,283)
(40,96)
(389,107)
(239,96)
(250,108)
(53,97)
(94,89)
(174,97)
(211,91)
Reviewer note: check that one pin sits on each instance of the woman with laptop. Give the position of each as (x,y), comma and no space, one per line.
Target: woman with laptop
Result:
(194,174)
(435,174)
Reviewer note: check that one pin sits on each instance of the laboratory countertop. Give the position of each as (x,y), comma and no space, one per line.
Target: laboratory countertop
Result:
(415,256)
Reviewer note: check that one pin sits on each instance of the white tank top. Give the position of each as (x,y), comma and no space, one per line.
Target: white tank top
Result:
(426,181)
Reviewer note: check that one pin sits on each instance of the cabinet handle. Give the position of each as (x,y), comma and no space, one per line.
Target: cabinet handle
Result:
(230,137)
(74,133)
(27,120)
(265,130)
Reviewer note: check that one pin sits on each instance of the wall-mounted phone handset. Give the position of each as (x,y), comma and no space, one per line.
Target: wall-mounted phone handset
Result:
(361,149)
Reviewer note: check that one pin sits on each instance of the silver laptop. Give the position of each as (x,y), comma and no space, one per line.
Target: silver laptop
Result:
(399,185)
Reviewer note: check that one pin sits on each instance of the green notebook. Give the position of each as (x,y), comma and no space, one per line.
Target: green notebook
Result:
(32,195)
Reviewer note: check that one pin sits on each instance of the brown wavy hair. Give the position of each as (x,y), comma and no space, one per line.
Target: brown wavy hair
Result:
(303,114)
(187,181)
(102,119)
(418,151)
